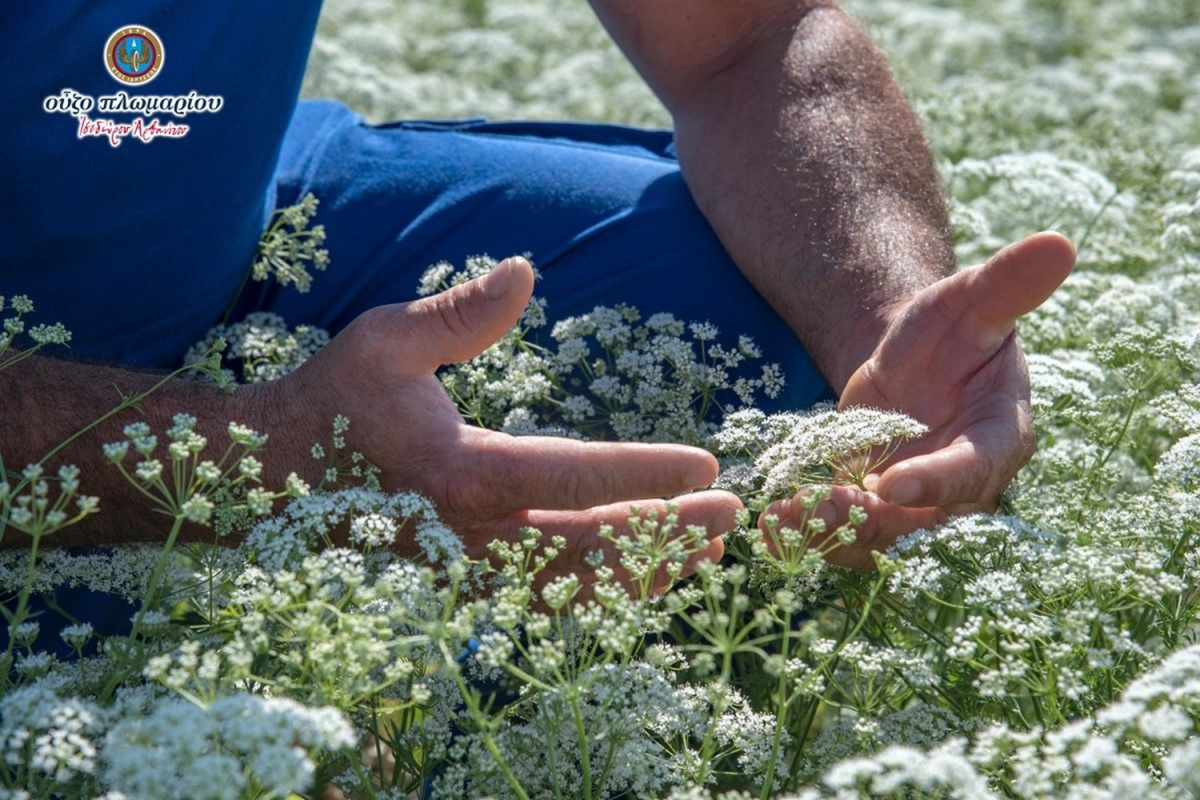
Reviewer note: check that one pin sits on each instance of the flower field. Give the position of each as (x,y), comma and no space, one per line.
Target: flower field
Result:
(1048,652)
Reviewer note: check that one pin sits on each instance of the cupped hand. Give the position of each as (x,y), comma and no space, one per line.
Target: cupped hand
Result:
(949,359)
(379,373)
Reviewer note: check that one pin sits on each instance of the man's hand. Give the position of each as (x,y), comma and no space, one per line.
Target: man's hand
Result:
(950,359)
(379,372)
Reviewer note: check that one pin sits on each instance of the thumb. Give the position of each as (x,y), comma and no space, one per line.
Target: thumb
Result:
(1017,280)
(463,321)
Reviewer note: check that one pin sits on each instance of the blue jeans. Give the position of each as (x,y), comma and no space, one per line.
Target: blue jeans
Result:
(602,211)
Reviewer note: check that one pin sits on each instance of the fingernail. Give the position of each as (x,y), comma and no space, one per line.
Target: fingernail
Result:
(499,282)
(905,491)
(704,469)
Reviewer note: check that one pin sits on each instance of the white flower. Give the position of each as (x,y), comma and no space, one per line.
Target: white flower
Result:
(76,635)
(149,471)
(197,509)
(1166,724)
(791,450)
(1179,467)
(373,530)
(55,738)
(180,749)
(1182,766)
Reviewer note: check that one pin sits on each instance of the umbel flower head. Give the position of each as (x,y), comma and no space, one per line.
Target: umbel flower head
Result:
(261,347)
(289,245)
(780,454)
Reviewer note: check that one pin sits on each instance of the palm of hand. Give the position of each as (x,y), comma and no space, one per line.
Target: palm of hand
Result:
(379,373)
(950,359)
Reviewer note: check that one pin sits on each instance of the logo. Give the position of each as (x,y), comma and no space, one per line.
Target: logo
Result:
(133,54)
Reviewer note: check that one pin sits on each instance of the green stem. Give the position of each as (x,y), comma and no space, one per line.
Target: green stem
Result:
(236,296)
(719,705)
(1087,233)
(126,403)
(806,723)
(151,592)
(22,608)
(19,357)
(585,759)
(780,712)
(513,783)
(1094,473)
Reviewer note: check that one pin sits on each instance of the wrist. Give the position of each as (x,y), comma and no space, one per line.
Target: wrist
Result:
(289,426)
(863,339)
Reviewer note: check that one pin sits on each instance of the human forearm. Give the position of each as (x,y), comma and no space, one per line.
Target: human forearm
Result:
(48,401)
(803,154)
(378,372)
(801,151)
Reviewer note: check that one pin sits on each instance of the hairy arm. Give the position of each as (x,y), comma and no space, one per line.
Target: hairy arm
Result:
(801,151)
(47,400)
(378,372)
(803,154)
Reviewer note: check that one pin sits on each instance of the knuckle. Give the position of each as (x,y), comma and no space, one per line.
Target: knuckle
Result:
(578,548)
(450,313)
(372,321)
(571,488)
(370,331)
(585,486)
(458,497)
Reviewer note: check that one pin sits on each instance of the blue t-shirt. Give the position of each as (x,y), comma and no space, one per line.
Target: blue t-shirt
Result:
(108,239)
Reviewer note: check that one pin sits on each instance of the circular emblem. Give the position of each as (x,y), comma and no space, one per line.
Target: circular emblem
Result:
(133,54)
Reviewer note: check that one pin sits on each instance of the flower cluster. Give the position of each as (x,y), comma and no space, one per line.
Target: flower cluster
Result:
(28,507)
(261,347)
(238,745)
(780,454)
(188,486)
(13,326)
(605,374)
(543,59)
(289,246)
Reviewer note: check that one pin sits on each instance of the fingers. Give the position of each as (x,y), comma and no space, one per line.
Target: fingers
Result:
(715,511)
(954,475)
(510,473)
(1017,280)
(460,323)
(995,440)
